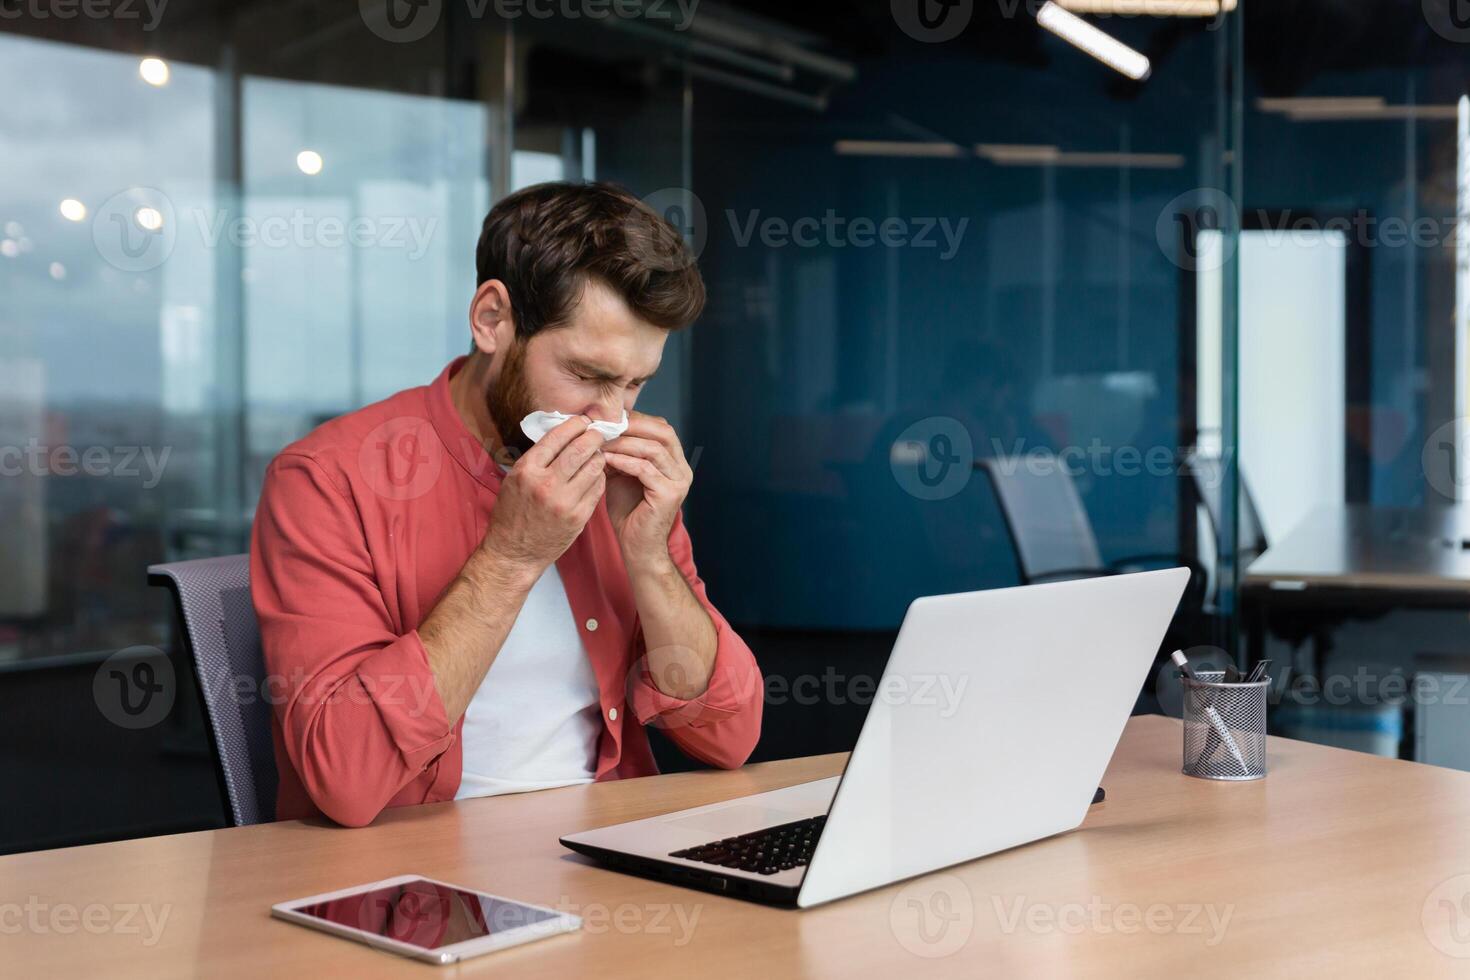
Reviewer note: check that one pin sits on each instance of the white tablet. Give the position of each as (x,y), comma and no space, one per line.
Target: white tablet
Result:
(426,919)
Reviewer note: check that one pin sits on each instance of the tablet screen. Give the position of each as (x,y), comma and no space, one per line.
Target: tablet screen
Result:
(426,914)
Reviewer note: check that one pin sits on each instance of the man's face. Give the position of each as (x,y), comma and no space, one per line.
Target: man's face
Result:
(594,365)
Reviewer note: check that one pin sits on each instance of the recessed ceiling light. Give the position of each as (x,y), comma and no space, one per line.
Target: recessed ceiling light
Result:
(897,148)
(149,219)
(1347,108)
(309,162)
(1024,155)
(154,71)
(1018,154)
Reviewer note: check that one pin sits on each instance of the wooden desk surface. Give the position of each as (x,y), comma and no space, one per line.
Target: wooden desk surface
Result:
(1381,548)
(1328,867)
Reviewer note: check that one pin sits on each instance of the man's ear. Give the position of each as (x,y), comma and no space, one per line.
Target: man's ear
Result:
(492,324)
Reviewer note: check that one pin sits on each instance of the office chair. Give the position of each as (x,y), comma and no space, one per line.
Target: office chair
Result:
(1207,474)
(220,633)
(1053,540)
(1050,534)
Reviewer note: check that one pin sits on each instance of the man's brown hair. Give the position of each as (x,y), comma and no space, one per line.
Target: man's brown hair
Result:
(547,241)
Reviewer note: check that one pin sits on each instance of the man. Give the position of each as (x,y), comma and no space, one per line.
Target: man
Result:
(449,610)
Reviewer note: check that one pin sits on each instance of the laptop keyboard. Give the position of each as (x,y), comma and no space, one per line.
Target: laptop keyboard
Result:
(766,852)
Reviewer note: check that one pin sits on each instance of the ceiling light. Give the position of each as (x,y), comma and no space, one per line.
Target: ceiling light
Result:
(309,162)
(1151,8)
(1132,161)
(73,210)
(896,148)
(1018,154)
(1022,155)
(1079,33)
(1349,108)
(149,219)
(154,71)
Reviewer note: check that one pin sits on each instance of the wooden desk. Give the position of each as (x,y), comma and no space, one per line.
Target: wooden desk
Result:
(1357,547)
(1355,561)
(1325,868)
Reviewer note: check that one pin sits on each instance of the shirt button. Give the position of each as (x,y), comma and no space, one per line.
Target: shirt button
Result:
(592,626)
(612,714)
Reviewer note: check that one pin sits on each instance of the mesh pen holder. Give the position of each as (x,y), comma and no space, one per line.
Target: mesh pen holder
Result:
(1224,727)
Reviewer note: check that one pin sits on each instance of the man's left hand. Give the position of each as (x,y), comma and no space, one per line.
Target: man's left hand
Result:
(647,481)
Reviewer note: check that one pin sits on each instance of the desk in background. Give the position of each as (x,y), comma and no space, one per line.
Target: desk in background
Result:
(1327,867)
(1354,561)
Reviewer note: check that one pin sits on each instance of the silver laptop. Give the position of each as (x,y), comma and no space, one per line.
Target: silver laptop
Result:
(991,727)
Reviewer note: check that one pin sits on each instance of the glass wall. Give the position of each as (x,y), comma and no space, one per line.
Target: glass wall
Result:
(226,263)
(1354,290)
(960,277)
(940,261)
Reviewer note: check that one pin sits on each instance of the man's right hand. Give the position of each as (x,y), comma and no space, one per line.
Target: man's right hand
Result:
(548,496)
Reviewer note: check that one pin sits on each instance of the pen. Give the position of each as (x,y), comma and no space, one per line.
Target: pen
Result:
(1258,672)
(1216,722)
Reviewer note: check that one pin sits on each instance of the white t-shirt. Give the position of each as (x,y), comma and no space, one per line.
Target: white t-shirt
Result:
(536,718)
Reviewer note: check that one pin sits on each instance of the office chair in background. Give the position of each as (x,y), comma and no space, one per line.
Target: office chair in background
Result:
(1207,474)
(221,635)
(1053,540)
(1049,529)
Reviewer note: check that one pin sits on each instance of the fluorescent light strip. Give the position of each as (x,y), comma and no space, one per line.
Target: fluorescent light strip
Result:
(1347,109)
(1018,155)
(896,148)
(1389,112)
(1010,154)
(1022,155)
(1329,103)
(1079,33)
(1151,8)
(1132,161)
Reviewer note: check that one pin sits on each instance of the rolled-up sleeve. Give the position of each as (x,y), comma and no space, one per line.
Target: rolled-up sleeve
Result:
(721,726)
(356,703)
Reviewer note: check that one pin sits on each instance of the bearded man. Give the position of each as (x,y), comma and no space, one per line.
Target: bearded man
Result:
(449,609)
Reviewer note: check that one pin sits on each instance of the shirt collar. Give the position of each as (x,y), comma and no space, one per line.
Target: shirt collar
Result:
(459,442)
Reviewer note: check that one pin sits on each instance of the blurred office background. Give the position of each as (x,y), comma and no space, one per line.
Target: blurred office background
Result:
(1223,301)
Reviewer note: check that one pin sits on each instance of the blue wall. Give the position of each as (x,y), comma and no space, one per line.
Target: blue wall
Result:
(812,361)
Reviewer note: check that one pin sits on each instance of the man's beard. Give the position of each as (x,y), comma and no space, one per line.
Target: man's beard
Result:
(509,401)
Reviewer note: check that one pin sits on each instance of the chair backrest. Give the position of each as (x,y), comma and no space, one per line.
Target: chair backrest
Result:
(223,639)
(1208,475)
(1044,515)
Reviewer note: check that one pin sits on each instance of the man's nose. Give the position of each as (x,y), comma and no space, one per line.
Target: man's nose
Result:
(609,409)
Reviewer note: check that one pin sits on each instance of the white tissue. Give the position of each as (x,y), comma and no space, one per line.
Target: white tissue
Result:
(537,424)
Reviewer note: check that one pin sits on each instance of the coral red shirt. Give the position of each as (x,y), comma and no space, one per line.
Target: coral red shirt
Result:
(361,527)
